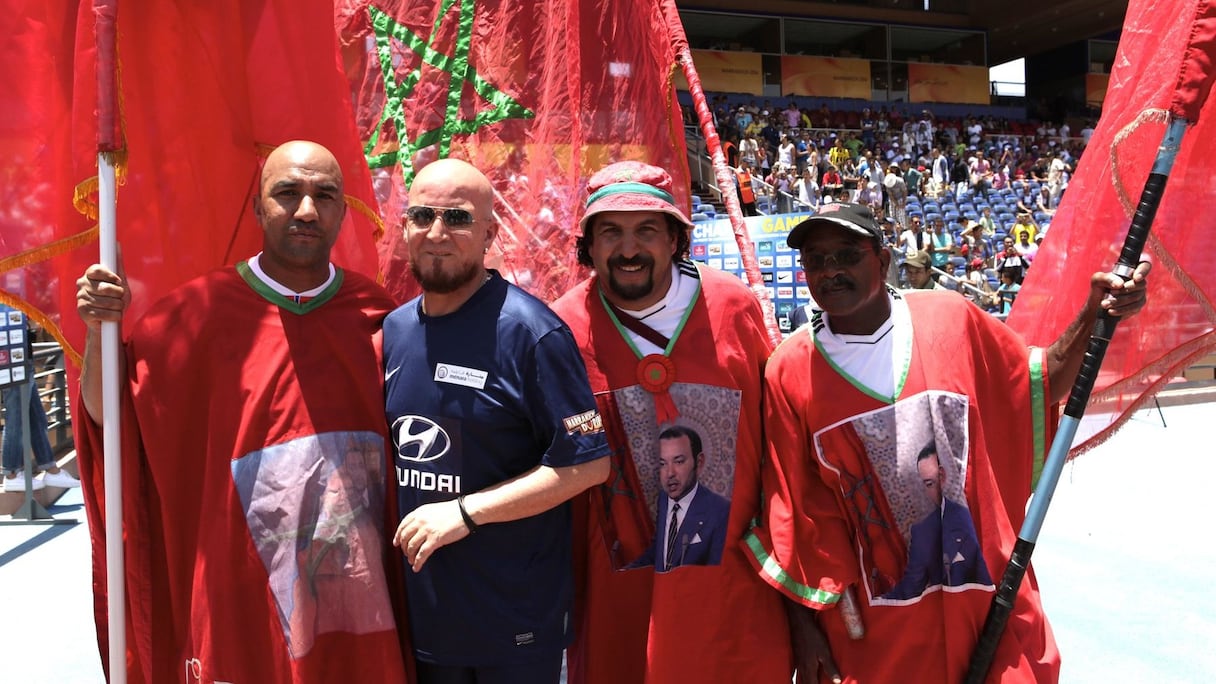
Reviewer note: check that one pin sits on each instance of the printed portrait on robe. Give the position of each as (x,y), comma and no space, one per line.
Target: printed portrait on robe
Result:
(902,473)
(689,461)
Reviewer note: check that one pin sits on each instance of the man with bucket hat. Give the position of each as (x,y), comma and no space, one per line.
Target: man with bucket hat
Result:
(667,344)
(850,401)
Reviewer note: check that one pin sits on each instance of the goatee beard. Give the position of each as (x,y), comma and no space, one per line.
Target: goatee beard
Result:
(439,282)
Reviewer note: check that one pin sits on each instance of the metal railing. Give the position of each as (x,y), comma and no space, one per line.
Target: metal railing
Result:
(51,384)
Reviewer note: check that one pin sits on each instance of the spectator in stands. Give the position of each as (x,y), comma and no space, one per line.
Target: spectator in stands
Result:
(854,145)
(975,132)
(981,174)
(980,292)
(1006,292)
(914,178)
(802,150)
(868,128)
(782,187)
(1045,202)
(807,191)
(941,244)
(1025,226)
(987,223)
(939,173)
(785,153)
(1009,259)
(793,117)
(896,191)
(1057,176)
(832,180)
(743,119)
(960,176)
(838,153)
(763,159)
(746,189)
(769,132)
(913,240)
(747,150)
(917,272)
(1029,250)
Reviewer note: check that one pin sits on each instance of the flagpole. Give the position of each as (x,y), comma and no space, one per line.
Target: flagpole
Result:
(108,141)
(722,173)
(1104,329)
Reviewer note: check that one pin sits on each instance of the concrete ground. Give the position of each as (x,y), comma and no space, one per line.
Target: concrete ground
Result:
(1123,562)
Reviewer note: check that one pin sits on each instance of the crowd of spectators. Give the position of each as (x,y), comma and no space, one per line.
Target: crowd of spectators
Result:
(959,189)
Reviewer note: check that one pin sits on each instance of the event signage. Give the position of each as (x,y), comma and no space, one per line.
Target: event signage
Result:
(16,362)
(713,244)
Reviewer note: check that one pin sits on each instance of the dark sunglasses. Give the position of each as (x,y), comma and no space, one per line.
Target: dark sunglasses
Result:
(849,256)
(424,216)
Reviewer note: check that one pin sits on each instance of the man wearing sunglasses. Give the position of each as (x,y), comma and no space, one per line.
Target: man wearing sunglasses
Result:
(850,401)
(254,444)
(668,345)
(494,428)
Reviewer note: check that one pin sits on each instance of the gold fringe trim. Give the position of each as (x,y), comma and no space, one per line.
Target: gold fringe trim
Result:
(1161,116)
(51,249)
(82,196)
(1165,259)
(359,206)
(43,320)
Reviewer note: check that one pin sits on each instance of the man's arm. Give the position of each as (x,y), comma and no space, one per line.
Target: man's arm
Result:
(1107,292)
(435,525)
(811,649)
(101,295)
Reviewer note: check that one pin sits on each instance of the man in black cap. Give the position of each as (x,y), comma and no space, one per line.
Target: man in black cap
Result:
(850,399)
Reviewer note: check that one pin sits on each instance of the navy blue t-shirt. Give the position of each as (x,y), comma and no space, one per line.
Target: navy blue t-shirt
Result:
(473,398)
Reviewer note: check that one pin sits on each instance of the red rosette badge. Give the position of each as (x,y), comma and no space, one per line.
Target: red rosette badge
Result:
(655,374)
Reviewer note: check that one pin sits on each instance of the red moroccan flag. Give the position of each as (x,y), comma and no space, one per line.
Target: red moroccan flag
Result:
(37,221)
(538,94)
(1165,56)
(204,90)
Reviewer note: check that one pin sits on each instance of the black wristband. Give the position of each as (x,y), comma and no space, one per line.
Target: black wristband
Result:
(468,520)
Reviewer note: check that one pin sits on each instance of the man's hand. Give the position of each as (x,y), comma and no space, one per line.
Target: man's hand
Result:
(428,528)
(101,295)
(1119,297)
(810,646)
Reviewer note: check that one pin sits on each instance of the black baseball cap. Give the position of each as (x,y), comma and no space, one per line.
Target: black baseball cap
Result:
(856,217)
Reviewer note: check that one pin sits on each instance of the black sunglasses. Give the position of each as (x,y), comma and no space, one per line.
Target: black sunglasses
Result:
(845,258)
(423,216)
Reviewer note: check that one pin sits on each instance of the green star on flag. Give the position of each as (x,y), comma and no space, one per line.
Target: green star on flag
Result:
(460,72)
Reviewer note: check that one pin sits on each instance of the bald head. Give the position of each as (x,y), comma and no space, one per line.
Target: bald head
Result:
(455,178)
(304,155)
(300,206)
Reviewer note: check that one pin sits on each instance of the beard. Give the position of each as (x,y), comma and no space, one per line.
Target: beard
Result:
(437,281)
(631,292)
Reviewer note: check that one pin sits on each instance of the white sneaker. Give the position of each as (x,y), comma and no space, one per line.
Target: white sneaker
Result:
(62,479)
(17,484)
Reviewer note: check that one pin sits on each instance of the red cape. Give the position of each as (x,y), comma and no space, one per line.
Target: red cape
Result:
(233,405)
(830,492)
(715,623)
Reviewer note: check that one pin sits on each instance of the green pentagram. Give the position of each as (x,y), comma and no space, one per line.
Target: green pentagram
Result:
(397,93)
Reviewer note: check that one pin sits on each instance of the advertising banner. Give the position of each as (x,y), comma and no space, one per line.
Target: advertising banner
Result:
(726,72)
(948,83)
(713,244)
(1095,89)
(825,77)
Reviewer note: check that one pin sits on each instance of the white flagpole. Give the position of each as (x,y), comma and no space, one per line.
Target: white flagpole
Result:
(111,347)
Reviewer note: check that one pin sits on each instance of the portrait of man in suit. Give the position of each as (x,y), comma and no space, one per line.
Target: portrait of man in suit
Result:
(943,549)
(690,528)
